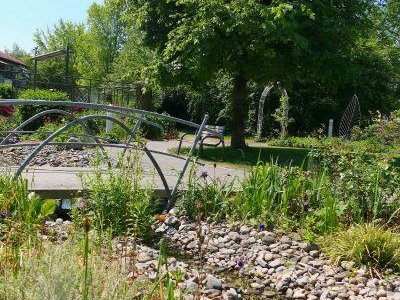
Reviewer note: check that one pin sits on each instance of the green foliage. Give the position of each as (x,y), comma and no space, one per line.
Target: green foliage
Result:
(20,217)
(51,73)
(41,94)
(27,111)
(55,272)
(117,202)
(366,245)
(207,196)
(6,91)
(286,195)
(281,115)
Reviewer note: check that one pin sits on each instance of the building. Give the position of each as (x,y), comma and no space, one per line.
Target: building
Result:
(11,68)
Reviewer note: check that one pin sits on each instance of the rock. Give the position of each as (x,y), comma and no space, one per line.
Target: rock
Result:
(347,265)
(231,294)
(268,240)
(143,257)
(170,221)
(244,229)
(191,285)
(299,294)
(214,283)
(74,144)
(275,263)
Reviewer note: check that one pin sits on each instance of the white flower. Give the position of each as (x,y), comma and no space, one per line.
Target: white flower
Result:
(31,196)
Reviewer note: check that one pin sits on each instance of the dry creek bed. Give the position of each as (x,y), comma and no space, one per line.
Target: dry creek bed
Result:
(241,262)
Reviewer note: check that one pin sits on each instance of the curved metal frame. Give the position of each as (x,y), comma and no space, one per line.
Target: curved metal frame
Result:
(50,138)
(56,111)
(115,109)
(140,115)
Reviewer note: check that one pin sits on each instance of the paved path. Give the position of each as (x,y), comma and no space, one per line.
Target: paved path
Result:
(61,181)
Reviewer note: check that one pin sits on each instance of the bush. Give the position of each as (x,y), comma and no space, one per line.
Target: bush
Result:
(366,245)
(6,91)
(117,202)
(28,111)
(206,196)
(286,196)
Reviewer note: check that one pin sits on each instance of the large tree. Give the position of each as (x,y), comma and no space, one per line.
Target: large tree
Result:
(250,40)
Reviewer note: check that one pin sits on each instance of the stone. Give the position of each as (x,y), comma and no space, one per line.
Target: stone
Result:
(268,240)
(143,257)
(244,229)
(275,263)
(231,294)
(214,283)
(299,294)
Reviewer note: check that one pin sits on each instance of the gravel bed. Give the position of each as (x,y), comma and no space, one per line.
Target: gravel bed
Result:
(49,156)
(242,262)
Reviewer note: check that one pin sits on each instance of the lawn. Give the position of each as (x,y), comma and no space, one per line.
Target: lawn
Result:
(251,155)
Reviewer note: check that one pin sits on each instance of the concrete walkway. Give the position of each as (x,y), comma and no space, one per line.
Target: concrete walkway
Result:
(65,182)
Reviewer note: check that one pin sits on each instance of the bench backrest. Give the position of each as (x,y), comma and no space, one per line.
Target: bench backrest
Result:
(219,129)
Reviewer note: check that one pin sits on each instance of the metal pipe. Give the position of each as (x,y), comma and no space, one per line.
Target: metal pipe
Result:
(172,199)
(106,108)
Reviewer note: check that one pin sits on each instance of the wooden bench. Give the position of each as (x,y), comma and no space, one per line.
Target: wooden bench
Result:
(207,135)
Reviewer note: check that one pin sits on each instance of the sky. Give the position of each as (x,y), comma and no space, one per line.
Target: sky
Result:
(21,18)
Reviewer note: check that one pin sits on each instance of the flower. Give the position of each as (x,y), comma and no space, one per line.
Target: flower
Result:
(261,227)
(5,215)
(31,196)
(239,264)
(204,175)
(81,202)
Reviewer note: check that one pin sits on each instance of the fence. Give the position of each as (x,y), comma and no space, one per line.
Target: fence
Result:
(78,89)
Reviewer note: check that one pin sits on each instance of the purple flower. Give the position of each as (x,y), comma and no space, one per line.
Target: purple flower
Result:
(81,202)
(204,175)
(261,227)
(5,215)
(239,264)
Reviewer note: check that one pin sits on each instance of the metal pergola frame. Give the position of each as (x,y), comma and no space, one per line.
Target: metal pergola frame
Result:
(135,114)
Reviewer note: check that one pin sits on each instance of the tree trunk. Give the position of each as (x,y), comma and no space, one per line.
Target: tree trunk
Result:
(238,111)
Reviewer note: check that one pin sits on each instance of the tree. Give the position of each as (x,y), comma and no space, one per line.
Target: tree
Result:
(105,37)
(57,38)
(249,39)
(17,52)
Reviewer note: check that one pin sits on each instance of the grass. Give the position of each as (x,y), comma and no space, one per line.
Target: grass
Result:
(252,155)
(369,245)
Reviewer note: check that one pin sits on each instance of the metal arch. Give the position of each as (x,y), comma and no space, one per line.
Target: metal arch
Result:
(115,109)
(132,134)
(172,198)
(55,111)
(83,119)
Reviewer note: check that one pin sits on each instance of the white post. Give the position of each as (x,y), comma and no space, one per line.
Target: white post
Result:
(330,128)
(109,123)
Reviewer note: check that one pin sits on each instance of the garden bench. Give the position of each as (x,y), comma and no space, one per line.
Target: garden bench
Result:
(207,135)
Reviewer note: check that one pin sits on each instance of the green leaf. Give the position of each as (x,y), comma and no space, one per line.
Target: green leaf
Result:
(48,208)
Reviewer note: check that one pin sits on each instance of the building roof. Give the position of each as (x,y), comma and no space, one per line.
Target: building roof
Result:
(9,59)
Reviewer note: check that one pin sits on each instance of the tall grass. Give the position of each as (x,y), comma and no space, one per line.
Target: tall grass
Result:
(369,245)
(117,201)
(284,196)
(21,214)
(207,195)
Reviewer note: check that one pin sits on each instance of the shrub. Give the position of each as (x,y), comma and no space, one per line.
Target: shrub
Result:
(207,196)
(6,91)
(285,195)
(369,245)
(28,111)
(117,202)
(20,216)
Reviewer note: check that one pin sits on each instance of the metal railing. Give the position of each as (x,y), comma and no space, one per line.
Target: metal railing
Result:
(138,116)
